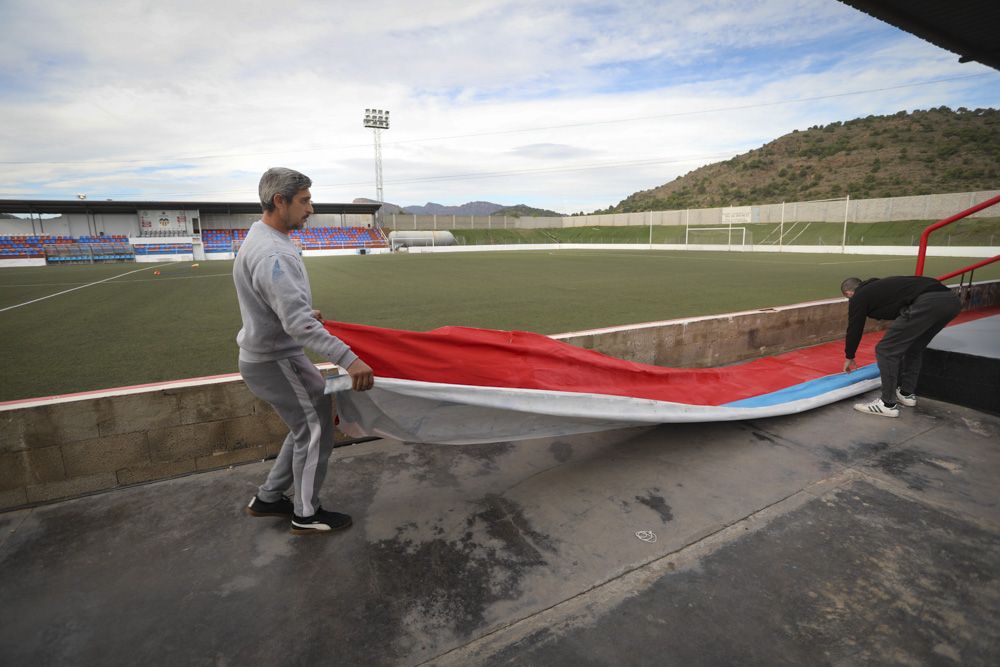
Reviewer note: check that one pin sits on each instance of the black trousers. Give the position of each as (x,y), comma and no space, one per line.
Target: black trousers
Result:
(901,351)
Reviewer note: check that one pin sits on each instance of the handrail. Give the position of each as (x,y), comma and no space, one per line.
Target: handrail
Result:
(971,267)
(922,253)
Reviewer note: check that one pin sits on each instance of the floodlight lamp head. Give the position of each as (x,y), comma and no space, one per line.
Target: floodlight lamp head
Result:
(377,118)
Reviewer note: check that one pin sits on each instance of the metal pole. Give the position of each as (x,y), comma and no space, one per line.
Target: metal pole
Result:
(650,230)
(378,169)
(843,242)
(781,226)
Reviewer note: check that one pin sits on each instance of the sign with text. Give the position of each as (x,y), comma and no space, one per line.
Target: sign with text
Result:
(737,215)
(174,222)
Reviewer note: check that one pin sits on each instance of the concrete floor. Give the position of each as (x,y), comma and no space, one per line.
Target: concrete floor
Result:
(823,538)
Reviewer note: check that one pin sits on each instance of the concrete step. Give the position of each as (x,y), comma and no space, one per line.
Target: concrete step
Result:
(962,365)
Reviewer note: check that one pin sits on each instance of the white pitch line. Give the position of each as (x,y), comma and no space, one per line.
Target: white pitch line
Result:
(144,280)
(120,275)
(863,261)
(162,279)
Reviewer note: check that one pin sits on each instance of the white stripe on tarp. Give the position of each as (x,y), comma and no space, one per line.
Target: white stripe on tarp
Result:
(462,405)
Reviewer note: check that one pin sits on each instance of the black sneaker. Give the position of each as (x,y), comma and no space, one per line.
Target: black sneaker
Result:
(320,522)
(281,507)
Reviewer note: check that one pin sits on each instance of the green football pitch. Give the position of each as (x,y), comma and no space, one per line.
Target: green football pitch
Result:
(76,328)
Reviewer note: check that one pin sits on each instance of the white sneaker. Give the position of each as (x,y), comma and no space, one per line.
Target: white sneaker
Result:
(909,400)
(877,408)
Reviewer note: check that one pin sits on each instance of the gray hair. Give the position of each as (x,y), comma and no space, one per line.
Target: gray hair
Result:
(849,285)
(279,180)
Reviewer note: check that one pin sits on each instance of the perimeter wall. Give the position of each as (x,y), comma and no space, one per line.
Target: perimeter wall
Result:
(921,207)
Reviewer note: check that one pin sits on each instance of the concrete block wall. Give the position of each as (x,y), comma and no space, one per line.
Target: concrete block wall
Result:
(701,342)
(71,446)
(66,448)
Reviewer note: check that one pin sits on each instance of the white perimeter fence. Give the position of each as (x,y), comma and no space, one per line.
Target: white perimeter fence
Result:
(920,207)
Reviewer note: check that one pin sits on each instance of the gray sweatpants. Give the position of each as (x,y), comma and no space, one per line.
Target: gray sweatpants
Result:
(900,352)
(295,389)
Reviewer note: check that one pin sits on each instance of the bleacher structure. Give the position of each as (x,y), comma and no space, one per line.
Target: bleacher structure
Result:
(330,238)
(67,249)
(22,247)
(88,249)
(164,249)
(221,240)
(118,248)
(311,238)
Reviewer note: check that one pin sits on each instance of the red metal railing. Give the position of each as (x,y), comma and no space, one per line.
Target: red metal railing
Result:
(922,254)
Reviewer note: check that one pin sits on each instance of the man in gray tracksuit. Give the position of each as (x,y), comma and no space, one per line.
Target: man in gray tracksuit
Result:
(278,322)
(919,307)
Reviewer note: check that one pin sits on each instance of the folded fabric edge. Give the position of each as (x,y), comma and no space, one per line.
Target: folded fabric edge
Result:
(790,400)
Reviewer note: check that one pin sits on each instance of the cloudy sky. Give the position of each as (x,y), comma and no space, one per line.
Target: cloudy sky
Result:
(563,105)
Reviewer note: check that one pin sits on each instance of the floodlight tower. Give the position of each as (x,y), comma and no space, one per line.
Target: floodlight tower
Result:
(378,120)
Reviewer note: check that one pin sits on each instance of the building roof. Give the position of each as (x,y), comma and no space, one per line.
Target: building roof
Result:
(61,206)
(969,28)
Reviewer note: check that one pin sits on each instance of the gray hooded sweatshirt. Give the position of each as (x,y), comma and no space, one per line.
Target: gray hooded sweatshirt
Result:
(276,302)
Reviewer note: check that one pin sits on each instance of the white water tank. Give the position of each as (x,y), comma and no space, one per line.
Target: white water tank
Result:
(400,239)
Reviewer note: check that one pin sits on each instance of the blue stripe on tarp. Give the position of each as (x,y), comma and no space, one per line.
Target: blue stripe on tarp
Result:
(809,389)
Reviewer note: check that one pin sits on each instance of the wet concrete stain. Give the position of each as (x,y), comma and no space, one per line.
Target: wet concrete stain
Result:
(488,456)
(763,437)
(561,451)
(506,522)
(510,655)
(423,461)
(445,586)
(657,503)
(900,464)
(856,451)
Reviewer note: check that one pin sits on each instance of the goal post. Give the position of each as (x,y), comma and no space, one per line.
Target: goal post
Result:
(717,235)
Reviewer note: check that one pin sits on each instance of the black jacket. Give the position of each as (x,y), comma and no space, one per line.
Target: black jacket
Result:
(882,299)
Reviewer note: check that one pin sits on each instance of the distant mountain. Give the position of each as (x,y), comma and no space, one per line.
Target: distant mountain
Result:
(471,208)
(923,152)
(480,208)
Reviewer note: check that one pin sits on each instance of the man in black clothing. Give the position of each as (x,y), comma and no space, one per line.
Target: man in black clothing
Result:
(920,307)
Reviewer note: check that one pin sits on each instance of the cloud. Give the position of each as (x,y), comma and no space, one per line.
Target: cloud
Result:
(564,105)
(551,151)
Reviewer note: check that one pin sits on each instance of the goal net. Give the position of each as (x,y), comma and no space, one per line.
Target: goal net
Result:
(727,236)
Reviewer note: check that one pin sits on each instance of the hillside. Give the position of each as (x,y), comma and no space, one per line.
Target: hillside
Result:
(923,152)
(527,212)
(386,209)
